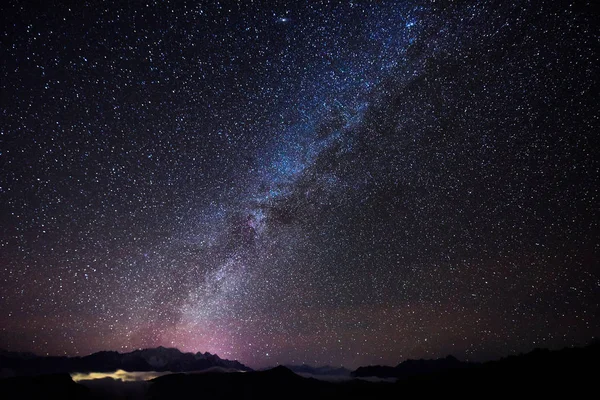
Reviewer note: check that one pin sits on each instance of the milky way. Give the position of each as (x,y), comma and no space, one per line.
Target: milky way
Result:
(330,183)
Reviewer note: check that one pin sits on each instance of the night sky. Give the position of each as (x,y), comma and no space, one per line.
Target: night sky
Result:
(342,183)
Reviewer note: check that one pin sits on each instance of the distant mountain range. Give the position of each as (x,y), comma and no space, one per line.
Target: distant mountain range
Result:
(412,368)
(567,373)
(325,370)
(162,359)
(157,359)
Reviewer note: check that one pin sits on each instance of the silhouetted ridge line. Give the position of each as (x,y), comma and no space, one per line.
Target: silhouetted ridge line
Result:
(324,370)
(156,359)
(410,368)
(569,373)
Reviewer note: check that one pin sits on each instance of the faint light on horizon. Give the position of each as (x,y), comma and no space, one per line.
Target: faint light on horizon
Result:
(121,375)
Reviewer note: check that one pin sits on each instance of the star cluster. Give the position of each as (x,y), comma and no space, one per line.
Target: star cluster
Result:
(320,182)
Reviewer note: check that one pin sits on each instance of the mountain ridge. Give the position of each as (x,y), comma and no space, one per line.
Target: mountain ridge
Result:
(411,368)
(150,359)
(326,370)
(541,372)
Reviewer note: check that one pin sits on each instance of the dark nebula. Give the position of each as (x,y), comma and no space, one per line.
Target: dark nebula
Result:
(343,183)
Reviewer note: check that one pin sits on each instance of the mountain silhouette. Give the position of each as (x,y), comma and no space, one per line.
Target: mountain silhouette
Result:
(412,368)
(156,359)
(324,370)
(569,372)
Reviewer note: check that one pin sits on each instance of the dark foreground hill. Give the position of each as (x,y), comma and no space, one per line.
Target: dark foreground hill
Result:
(157,359)
(326,370)
(412,368)
(571,372)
